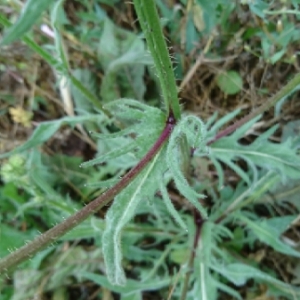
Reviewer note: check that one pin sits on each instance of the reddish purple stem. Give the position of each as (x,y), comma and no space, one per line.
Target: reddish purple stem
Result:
(57,231)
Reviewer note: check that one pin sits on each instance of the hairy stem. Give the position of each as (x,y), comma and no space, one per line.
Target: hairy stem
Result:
(284,92)
(150,23)
(54,233)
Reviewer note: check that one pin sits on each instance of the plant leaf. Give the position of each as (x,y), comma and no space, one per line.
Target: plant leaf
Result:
(206,287)
(31,12)
(168,202)
(131,286)
(193,130)
(239,273)
(110,155)
(83,105)
(281,158)
(119,214)
(227,289)
(230,82)
(267,233)
(123,57)
(219,123)
(46,130)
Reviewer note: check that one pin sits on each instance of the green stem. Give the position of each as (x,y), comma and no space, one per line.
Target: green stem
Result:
(284,92)
(150,23)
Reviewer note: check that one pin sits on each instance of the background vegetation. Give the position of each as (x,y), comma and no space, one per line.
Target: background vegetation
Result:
(229,57)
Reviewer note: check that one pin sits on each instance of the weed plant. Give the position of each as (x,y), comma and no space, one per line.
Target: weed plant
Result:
(146,243)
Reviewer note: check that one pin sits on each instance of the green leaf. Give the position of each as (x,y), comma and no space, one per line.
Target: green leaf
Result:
(58,41)
(284,192)
(206,286)
(258,7)
(180,256)
(277,56)
(227,289)
(87,78)
(244,196)
(270,234)
(210,14)
(145,121)
(239,273)
(193,130)
(191,33)
(282,158)
(12,239)
(131,286)
(290,131)
(168,202)
(46,130)
(120,213)
(123,56)
(39,175)
(103,183)
(32,11)
(110,155)
(132,296)
(230,82)
(278,224)
(85,230)
(213,129)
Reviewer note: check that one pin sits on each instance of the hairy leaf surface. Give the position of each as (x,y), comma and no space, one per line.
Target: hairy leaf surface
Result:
(239,273)
(122,210)
(190,129)
(262,153)
(269,234)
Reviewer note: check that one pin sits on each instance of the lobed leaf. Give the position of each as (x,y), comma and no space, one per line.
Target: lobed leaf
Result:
(142,118)
(228,290)
(225,119)
(168,202)
(120,133)
(190,128)
(119,214)
(131,286)
(239,273)
(282,158)
(110,155)
(269,234)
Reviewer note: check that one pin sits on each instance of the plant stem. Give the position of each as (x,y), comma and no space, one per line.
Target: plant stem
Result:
(284,92)
(54,233)
(199,223)
(150,23)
